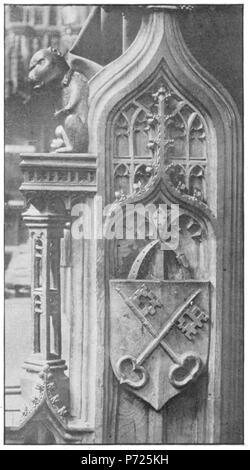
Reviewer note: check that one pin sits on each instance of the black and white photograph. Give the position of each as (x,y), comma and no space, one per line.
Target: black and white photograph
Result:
(123,317)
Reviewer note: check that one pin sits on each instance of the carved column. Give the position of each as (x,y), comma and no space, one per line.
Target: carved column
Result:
(45,217)
(51,185)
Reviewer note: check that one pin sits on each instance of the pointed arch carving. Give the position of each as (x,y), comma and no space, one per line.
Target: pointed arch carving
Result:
(206,116)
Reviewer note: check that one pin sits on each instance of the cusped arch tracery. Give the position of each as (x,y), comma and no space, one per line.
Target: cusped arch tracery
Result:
(160,127)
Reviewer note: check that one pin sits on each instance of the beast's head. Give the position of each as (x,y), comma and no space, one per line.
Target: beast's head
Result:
(46,66)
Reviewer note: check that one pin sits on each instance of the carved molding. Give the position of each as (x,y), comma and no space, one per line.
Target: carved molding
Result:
(58,173)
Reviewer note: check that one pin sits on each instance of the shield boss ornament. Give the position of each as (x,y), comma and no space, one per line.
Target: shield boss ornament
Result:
(159,336)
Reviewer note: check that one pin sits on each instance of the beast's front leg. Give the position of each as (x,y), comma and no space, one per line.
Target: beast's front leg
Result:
(74,100)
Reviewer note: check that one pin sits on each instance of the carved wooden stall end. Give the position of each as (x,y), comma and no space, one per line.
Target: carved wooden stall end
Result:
(152,334)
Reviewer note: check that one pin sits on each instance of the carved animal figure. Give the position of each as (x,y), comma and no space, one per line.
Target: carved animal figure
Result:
(49,68)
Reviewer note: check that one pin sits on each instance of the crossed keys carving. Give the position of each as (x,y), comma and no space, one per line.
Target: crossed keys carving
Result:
(186,366)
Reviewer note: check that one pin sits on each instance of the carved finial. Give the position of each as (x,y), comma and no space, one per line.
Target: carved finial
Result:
(162,93)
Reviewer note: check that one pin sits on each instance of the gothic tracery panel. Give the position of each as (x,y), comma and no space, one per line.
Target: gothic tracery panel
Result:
(160,121)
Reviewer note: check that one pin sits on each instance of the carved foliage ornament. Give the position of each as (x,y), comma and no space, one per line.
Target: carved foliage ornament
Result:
(46,391)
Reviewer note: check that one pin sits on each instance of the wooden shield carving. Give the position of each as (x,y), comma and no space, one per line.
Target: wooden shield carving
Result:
(159,336)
